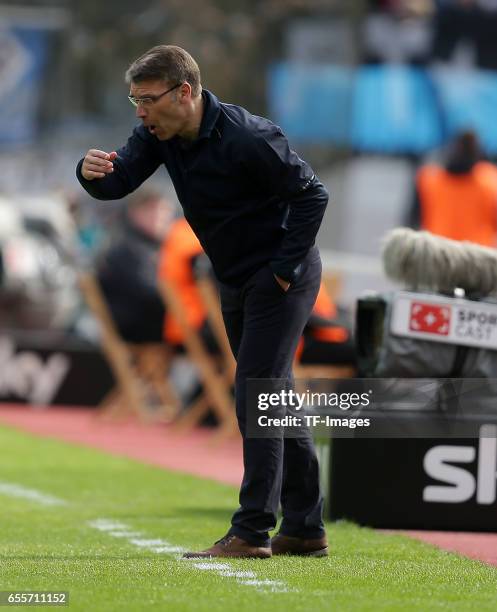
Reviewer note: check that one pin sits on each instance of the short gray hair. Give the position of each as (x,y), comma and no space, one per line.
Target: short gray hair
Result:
(166,63)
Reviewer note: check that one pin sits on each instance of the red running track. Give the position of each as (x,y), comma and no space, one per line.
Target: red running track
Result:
(479,546)
(191,453)
(155,444)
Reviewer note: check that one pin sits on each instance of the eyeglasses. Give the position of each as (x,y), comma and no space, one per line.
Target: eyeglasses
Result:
(150,100)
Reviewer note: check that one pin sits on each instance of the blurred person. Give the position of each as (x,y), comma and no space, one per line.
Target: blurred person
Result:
(397,31)
(327,337)
(454,22)
(127,268)
(459,199)
(181,261)
(486,28)
(255,207)
(88,230)
(466,21)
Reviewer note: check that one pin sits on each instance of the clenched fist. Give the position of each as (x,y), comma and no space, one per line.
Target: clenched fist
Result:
(97,164)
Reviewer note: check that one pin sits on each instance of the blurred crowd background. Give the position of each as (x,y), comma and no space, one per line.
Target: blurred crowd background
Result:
(366,91)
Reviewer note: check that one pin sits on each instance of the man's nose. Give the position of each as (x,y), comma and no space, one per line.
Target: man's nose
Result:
(141,113)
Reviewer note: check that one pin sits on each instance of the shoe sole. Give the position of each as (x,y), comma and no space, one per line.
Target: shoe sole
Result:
(322,552)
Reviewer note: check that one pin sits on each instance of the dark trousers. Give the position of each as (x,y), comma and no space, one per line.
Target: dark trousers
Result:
(264,324)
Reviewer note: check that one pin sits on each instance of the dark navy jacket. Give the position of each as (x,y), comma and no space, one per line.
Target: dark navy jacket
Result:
(249,198)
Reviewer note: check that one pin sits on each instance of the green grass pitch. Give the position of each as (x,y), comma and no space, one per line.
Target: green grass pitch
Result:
(111,545)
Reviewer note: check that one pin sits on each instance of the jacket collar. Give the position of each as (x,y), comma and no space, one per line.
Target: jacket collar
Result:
(212,108)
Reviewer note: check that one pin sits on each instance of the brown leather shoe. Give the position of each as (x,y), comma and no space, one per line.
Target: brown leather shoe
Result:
(286,545)
(231,546)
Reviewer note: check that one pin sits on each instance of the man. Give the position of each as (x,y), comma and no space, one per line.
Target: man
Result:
(181,262)
(256,208)
(127,268)
(458,200)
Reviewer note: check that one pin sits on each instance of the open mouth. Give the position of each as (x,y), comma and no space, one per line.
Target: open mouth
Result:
(151,129)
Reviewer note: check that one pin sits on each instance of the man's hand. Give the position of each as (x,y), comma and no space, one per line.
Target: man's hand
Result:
(282,283)
(97,164)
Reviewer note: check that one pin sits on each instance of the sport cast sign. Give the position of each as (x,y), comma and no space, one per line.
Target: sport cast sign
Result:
(440,319)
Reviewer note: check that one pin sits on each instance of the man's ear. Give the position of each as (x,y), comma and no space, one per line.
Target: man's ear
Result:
(185,92)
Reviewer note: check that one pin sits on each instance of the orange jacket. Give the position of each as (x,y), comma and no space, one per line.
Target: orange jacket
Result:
(178,250)
(461,207)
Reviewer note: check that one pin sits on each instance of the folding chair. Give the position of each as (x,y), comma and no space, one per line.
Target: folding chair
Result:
(216,388)
(210,298)
(138,368)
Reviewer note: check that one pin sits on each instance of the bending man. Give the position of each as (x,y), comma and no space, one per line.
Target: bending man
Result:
(256,208)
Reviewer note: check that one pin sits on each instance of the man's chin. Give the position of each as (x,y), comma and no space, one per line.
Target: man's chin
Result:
(163,136)
(158,133)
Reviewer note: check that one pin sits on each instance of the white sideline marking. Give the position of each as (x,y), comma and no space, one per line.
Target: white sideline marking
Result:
(258,582)
(125,534)
(120,530)
(238,574)
(106,525)
(247,578)
(16,490)
(275,586)
(212,566)
(167,549)
(158,545)
(148,543)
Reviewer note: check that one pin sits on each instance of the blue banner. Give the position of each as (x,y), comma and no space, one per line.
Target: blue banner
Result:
(383,109)
(469,101)
(395,110)
(312,103)
(23,53)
